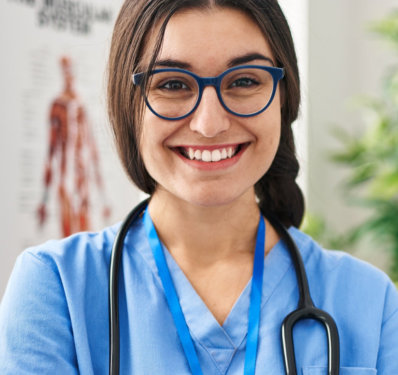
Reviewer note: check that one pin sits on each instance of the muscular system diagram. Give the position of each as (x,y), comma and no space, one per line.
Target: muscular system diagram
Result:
(72,163)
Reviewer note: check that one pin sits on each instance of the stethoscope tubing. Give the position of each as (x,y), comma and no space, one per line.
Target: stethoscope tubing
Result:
(305,309)
(116,255)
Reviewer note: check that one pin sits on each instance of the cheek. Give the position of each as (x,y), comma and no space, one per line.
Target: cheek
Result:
(275,137)
(151,133)
(270,127)
(271,147)
(148,143)
(152,141)
(269,135)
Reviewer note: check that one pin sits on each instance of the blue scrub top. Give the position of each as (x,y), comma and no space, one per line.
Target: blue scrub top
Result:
(54,314)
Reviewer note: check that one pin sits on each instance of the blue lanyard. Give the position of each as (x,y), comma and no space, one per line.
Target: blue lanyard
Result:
(175,307)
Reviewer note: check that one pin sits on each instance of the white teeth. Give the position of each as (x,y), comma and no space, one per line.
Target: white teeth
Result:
(206,155)
(216,155)
(211,156)
(198,155)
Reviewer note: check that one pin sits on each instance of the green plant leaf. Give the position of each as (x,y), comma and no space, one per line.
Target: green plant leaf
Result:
(371,157)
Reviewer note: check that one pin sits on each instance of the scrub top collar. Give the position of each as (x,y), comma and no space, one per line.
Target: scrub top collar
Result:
(221,342)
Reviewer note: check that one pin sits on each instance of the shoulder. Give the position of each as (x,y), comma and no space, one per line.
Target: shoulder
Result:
(335,261)
(362,301)
(53,294)
(79,248)
(81,260)
(347,280)
(68,265)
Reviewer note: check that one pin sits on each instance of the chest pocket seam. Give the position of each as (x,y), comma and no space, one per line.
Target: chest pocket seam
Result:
(318,370)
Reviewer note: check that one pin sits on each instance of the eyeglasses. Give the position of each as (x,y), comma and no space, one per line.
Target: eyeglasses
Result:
(173,94)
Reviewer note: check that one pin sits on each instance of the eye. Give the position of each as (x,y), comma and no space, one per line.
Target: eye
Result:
(173,85)
(244,82)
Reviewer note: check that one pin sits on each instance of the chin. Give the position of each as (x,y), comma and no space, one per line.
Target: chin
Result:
(214,198)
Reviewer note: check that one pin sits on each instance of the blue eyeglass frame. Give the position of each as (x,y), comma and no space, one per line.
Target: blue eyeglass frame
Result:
(276,73)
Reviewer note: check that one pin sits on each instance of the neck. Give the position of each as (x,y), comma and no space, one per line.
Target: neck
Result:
(204,235)
(214,246)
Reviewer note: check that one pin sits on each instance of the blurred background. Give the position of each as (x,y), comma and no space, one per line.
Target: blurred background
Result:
(52,73)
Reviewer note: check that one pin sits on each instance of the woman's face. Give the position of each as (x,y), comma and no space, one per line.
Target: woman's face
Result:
(207,42)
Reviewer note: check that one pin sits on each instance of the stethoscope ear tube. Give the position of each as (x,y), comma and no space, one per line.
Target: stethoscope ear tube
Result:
(117,249)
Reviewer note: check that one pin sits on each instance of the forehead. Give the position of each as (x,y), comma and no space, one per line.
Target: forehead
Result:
(209,38)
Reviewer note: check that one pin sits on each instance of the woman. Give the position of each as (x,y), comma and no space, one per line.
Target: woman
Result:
(209,163)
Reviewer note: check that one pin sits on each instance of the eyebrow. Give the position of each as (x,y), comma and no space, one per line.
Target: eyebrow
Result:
(248,58)
(169,63)
(244,59)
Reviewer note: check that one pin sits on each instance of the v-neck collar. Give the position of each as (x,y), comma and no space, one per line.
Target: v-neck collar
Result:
(221,342)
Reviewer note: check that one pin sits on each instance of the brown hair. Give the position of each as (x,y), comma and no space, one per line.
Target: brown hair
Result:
(277,190)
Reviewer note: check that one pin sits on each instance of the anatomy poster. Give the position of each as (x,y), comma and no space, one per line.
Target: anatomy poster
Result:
(60,171)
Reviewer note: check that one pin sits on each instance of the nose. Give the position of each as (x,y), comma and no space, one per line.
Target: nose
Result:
(210,118)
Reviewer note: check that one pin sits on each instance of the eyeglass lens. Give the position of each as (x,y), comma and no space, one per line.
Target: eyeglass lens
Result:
(243,91)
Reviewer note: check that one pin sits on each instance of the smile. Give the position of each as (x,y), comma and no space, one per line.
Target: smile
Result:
(211,154)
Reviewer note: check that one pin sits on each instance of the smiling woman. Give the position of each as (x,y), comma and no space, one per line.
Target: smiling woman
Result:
(253,139)
(178,46)
(202,95)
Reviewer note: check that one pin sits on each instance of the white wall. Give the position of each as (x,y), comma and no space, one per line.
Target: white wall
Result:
(345,60)
(297,12)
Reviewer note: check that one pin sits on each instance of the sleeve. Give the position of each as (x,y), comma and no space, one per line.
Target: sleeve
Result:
(387,361)
(35,329)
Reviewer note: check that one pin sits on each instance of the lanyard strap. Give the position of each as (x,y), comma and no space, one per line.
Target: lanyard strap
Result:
(175,307)
(255,301)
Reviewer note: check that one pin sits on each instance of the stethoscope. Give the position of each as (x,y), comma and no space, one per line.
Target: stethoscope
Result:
(305,307)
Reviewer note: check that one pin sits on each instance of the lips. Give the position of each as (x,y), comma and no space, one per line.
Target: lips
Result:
(210,154)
